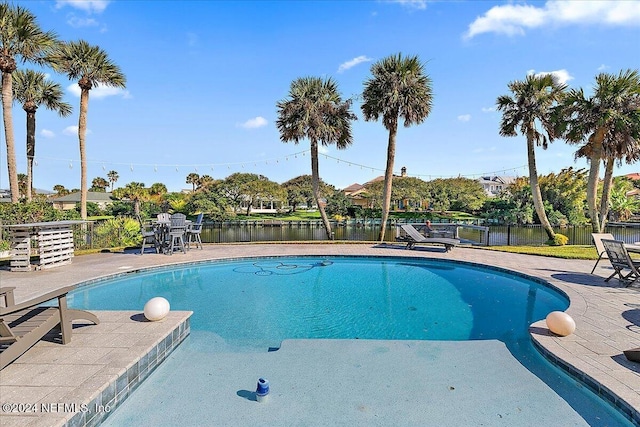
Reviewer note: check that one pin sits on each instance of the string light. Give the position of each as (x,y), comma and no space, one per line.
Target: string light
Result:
(276,161)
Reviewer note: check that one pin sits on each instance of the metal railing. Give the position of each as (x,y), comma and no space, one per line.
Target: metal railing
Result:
(85,236)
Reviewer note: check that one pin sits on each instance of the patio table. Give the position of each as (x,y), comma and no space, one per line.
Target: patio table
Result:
(162,232)
(55,244)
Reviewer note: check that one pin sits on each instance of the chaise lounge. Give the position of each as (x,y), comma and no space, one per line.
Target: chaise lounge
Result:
(633,354)
(23,325)
(414,237)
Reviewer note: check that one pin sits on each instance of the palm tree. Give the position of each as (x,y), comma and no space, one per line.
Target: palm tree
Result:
(135,192)
(99,184)
(608,125)
(32,89)
(20,36)
(398,89)
(91,66)
(59,188)
(315,110)
(113,177)
(532,102)
(193,179)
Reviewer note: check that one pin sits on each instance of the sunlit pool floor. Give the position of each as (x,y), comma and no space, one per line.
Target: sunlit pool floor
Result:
(345,382)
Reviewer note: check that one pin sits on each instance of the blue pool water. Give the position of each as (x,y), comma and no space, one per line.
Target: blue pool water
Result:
(253,305)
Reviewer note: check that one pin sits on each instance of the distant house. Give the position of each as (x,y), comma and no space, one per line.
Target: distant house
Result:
(633,176)
(357,194)
(69,201)
(493,185)
(5,194)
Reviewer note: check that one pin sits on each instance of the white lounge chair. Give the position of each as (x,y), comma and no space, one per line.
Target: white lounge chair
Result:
(414,237)
(597,240)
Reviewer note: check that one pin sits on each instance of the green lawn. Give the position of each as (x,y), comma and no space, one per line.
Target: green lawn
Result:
(568,251)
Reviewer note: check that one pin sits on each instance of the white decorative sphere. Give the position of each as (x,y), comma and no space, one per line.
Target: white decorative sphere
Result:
(560,323)
(156,309)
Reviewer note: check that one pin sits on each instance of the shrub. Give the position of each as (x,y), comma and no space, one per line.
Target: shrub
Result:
(118,232)
(558,240)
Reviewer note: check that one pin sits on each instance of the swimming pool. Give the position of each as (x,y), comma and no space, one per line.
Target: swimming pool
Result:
(253,305)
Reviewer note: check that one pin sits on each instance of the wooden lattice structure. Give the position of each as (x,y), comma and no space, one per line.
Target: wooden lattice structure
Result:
(54,244)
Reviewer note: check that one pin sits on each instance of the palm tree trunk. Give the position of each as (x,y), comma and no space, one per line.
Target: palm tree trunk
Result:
(388,179)
(535,188)
(82,133)
(315,183)
(7,103)
(595,141)
(606,192)
(31,151)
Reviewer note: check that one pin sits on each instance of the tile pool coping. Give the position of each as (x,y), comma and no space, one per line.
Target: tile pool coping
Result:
(115,392)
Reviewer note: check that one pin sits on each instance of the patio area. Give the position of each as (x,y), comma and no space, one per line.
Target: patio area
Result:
(607,316)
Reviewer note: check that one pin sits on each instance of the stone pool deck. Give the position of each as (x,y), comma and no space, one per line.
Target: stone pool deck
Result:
(607,317)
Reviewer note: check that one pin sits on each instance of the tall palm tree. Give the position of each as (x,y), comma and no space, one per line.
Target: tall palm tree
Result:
(530,104)
(20,37)
(398,89)
(113,177)
(32,89)
(315,110)
(193,179)
(91,66)
(608,126)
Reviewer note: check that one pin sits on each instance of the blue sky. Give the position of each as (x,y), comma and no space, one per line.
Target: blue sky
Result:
(203,79)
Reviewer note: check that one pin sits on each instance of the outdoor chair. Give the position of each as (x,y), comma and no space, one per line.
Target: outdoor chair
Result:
(633,354)
(23,325)
(149,235)
(6,296)
(414,237)
(621,261)
(193,231)
(164,217)
(176,233)
(597,240)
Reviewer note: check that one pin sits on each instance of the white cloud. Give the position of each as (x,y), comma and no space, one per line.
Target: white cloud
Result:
(256,122)
(90,6)
(603,67)
(513,19)
(414,4)
(488,109)
(100,91)
(73,131)
(323,149)
(562,76)
(76,22)
(46,133)
(464,117)
(352,63)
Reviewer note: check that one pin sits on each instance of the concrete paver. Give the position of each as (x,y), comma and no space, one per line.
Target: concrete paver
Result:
(607,314)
